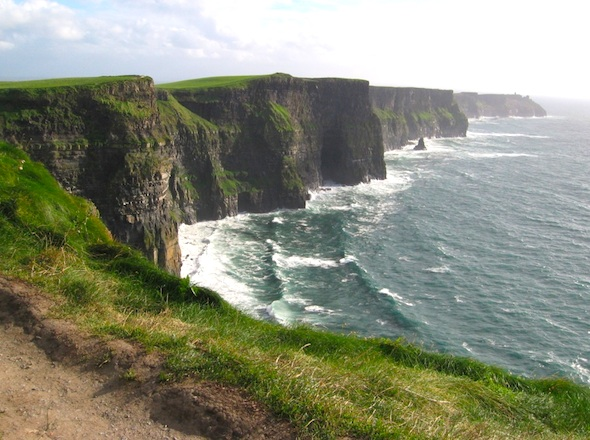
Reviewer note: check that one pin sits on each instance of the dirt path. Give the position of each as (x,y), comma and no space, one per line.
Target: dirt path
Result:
(58,384)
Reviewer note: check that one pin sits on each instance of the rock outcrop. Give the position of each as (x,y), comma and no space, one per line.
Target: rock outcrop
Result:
(149,162)
(476,106)
(410,113)
(281,136)
(108,143)
(420,146)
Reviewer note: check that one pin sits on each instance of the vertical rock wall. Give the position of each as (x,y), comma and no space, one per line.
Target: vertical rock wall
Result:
(412,113)
(281,136)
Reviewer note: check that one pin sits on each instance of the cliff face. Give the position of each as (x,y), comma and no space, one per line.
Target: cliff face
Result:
(475,105)
(107,143)
(412,113)
(148,162)
(280,136)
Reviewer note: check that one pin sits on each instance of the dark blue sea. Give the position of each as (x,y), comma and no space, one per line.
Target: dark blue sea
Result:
(479,247)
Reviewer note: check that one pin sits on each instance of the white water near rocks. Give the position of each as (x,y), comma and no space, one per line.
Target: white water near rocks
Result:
(478,246)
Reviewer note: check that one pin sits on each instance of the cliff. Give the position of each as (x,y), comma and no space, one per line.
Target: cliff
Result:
(412,113)
(280,136)
(148,163)
(476,106)
(104,139)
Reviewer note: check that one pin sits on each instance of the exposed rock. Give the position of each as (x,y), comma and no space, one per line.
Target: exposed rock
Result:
(420,146)
(149,163)
(108,143)
(410,113)
(475,105)
(281,136)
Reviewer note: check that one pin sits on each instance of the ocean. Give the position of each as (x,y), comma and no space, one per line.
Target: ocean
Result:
(478,247)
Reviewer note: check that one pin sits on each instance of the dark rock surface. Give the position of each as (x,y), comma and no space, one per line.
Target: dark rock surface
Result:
(420,146)
(280,136)
(410,113)
(149,163)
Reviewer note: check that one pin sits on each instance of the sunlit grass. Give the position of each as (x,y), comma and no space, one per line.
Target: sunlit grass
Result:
(63,82)
(328,385)
(212,82)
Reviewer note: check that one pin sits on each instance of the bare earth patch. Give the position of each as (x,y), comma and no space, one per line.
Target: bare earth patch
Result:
(56,383)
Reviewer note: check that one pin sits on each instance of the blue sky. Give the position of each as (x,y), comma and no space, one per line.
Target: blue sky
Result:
(506,46)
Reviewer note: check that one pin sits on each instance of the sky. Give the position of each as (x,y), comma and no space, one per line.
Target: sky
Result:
(535,48)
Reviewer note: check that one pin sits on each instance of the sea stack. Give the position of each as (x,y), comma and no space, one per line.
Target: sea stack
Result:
(421,146)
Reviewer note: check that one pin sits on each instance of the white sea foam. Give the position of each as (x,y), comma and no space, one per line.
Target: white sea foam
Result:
(319,310)
(193,241)
(206,264)
(295,261)
(297,300)
(467,347)
(441,269)
(581,370)
(396,297)
(476,134)
(579,366)
(498,155)
(348,259)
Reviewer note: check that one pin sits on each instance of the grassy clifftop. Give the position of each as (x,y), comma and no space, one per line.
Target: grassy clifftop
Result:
(64,82)
(212,82)
(329,386)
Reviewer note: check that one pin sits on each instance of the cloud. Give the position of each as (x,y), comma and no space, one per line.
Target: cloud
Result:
(489,47)
(36,20)
(6,45)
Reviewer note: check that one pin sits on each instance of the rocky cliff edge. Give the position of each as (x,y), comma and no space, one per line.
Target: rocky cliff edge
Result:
(151,158)
(409,113)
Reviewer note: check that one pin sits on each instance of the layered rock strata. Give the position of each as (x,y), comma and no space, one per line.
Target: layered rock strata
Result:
(411,113)
(149,163)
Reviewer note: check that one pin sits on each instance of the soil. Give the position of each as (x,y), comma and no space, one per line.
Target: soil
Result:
(58,383)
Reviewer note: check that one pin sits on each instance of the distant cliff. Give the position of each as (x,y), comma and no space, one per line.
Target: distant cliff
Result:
(149,162)
(475,105)
(411,113)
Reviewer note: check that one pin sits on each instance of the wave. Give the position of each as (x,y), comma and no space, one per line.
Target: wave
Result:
(396,297)
(440,269)
(467,347)
(295,261)
(478,134)
(498,155)
(578,367)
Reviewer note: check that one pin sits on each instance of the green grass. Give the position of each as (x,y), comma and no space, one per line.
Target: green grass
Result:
(329,385)
(64,82)
(212,82)
(280,117)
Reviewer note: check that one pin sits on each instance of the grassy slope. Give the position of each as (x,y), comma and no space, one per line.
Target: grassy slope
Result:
(212,82)
(329,385)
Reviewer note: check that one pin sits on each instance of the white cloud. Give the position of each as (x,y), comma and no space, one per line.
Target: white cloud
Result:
(505,46)
(37,20)
(6,45)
